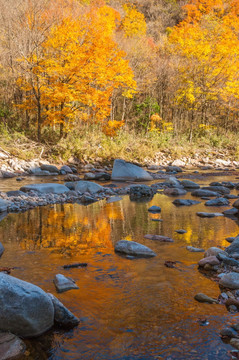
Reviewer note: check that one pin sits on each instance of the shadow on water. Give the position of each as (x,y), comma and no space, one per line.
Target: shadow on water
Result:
(129,309)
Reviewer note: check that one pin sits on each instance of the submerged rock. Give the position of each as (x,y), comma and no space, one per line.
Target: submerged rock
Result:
(185,202)
(26,310)
(62,316)
(63,283)
(11,347)
(139,191)
(200,297)
(113,199)
(154,209)
(217,202)
(194,249)
(158,237)
(46,188)
(203,193)
(181,231)
(123,171)
(222,190)
(174,191)
(188,184)
(133,248)
(208,215)
(230,212)
(85,186)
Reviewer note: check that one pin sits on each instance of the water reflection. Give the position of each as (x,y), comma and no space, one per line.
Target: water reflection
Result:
(129,309)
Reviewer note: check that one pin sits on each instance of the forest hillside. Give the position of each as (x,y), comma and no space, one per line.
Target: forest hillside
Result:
(98,79)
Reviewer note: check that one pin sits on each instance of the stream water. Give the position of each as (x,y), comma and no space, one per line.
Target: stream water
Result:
(129,309)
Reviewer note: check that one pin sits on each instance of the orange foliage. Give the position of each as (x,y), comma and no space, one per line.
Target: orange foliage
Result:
(78,68)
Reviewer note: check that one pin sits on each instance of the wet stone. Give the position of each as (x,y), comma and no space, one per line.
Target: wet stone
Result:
(200,297)
(181,231)
(11,347)
(211,260)
(158,238)
(63,283)
(185,202)
(208,215)
(194,249)
(133,248)
(62,316)
(154,209)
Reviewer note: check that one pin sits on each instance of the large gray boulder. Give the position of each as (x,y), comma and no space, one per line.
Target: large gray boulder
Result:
(25,309)
(62,316)
(123,171)
(133,248)
(46,188)
(85,186)
(230,280)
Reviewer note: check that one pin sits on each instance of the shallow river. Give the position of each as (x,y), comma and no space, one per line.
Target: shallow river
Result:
(129,309)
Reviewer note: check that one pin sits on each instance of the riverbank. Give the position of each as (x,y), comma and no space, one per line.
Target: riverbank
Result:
(89,145)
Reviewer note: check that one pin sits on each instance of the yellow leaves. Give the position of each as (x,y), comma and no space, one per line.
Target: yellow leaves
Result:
(206,44)
(79,67)
(111,127)
(133,23)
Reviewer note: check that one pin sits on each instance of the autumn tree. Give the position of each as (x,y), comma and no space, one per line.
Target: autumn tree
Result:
(78,69)
(206,47)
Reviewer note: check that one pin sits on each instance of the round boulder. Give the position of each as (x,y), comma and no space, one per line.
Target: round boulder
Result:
(26,310)
(133,248)
(230,280)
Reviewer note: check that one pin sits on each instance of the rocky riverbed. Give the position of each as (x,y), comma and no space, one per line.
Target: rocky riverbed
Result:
(219,264)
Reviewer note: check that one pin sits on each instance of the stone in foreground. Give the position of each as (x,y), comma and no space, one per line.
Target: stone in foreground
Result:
(11,347)
(123,171)
(63,283)
(230,280)
(62,316)
(26,310)
(133,248)
(46,188)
